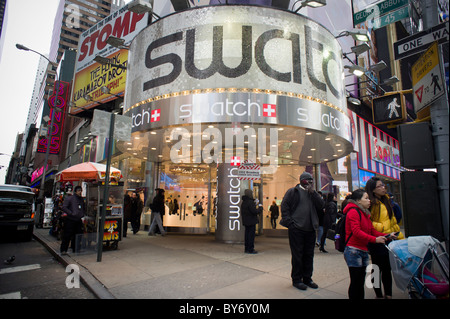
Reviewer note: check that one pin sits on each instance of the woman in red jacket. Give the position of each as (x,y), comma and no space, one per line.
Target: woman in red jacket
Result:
(359,232)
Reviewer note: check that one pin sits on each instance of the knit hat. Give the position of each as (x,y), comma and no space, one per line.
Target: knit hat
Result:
(305,175)
(248,193)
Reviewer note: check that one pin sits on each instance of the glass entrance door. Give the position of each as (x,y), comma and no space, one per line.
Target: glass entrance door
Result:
(186,195)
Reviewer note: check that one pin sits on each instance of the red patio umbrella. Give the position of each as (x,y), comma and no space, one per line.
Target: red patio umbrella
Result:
(87,171)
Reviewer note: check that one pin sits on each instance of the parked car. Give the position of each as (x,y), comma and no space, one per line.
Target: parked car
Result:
(17,210)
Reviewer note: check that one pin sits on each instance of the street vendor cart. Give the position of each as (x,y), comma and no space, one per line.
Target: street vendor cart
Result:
(92,177)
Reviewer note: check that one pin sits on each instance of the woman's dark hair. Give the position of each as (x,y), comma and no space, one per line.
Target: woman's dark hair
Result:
(371,185)
(357,194)
(330,197)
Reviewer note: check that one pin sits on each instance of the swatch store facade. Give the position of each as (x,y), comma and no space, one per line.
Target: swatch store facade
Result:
(211,87)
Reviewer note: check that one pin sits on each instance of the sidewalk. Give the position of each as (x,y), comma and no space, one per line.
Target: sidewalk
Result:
(198,267)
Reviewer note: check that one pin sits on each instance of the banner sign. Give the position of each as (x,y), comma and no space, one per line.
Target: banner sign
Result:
(249,171)
(378,152)
(241,107)
(58,104)
(90,76)
(231,49)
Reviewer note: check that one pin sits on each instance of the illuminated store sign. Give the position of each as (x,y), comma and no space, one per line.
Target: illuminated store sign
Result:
(232,52)
(378,152)
(38,173)
(230,65)
(385,153)
(58,104)
(244,107)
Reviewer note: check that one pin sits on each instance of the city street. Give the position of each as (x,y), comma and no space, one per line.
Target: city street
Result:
(34,274)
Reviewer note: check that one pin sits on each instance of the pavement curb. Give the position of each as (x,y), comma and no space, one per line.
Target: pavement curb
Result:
(89,280)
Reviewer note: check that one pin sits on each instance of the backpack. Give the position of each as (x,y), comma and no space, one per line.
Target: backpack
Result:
(339,238)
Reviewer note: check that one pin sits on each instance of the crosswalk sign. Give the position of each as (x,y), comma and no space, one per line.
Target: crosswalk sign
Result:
(389,108)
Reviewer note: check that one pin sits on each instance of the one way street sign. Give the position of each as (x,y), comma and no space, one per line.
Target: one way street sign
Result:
(421,41)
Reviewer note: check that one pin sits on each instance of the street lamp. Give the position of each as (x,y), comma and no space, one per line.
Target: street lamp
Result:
(24,48)
(355,69)
(140,6)
(358,49)
(357,34)
(47,150)
(117,42)
(104,61)
(49,132)
(310,3)
(391,81)
(378,67)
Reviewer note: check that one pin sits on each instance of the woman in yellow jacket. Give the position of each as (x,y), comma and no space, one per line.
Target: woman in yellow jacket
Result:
(383,220)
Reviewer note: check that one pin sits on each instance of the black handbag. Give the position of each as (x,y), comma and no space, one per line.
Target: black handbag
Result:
(331,233)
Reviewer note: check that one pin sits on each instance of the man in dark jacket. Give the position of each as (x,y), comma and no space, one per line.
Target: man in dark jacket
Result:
(73,211)
(136,211)
(249,219)
(299,214)
(158,209)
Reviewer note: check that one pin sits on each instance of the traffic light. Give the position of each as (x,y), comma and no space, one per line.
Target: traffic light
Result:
(389,108)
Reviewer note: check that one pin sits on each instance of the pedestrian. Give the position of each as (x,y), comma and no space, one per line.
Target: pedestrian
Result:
(299,214)
(383,220)
(396,207)
(176,207)
(127,207)
(73,209)
(274,213)
(359,232)
(320,213)
(170,205)
(158,210)
(137,206)
(249,219)
(329,218)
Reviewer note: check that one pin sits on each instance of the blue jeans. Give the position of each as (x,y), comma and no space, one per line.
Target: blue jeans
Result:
(357,260)
(156,221)
(356,257)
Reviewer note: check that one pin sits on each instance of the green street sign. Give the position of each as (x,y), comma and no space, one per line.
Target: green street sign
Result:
(391,17)
(378,10)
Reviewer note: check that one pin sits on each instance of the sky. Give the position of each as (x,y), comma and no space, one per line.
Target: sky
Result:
(29,23)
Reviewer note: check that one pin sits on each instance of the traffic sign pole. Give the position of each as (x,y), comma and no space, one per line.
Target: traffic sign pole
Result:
(439,128)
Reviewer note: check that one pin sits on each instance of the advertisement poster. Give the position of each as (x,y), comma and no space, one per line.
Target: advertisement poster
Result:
(91,76)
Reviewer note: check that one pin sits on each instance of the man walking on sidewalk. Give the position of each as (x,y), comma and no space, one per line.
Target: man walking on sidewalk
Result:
(299,214)
(73,212)
(158,210)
